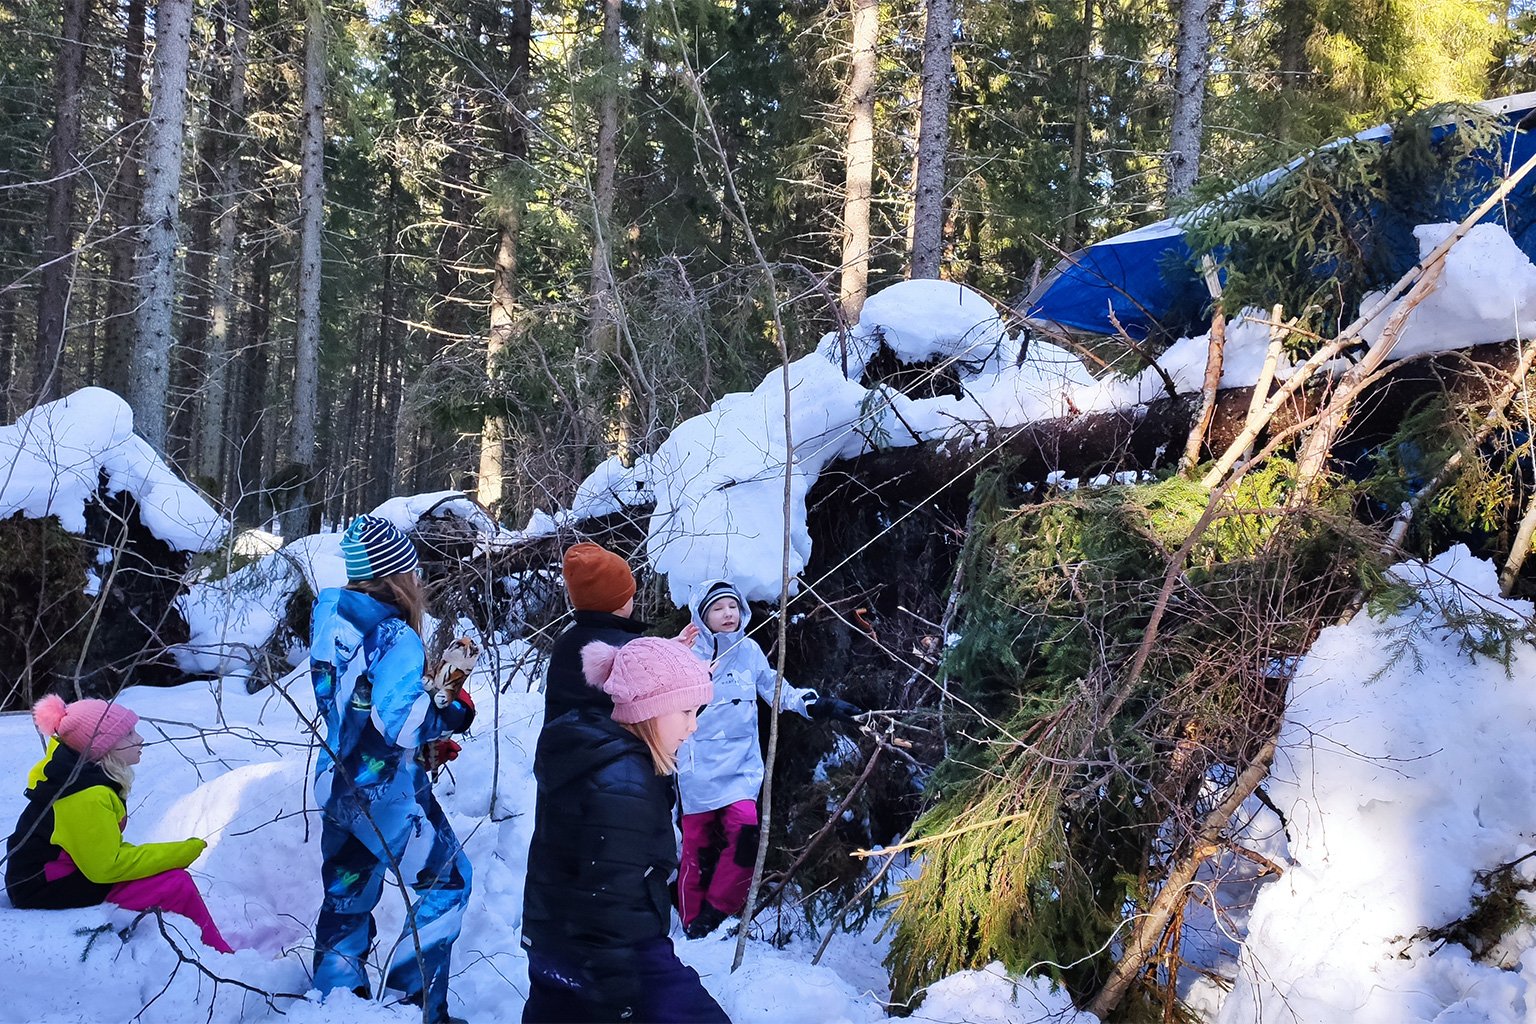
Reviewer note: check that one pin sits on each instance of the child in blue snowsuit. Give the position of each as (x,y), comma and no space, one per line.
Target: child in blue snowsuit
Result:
(378,812)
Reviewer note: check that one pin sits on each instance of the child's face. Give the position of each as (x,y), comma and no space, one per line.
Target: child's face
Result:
(723,616)
(674,727)
(130,748)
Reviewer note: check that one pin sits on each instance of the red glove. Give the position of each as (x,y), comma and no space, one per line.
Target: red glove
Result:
(437,753)
(465,698)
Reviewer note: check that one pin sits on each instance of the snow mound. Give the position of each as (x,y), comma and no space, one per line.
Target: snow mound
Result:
(919,321)
(58,453)
(1487,293)
(992,995)
(1401,773)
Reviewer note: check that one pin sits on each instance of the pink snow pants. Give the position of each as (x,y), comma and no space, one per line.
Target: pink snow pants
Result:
(174,891)
(717,830)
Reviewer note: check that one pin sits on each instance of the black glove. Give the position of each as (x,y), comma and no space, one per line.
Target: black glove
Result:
(823,708)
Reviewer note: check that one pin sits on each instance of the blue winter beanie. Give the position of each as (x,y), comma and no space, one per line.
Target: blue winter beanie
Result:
(374,549)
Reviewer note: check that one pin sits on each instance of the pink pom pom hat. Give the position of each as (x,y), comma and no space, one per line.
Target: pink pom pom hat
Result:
(647,677)
(90,727)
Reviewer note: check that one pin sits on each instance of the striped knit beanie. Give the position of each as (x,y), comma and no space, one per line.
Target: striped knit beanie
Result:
(374,549)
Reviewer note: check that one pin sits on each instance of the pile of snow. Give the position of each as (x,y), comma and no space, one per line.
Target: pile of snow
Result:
(56,455)
(1487,293)
(993,994)
(1401,773)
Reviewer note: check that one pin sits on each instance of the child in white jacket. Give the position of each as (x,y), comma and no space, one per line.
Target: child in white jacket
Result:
(720,767)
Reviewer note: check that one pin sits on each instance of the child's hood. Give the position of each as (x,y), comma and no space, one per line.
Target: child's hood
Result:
(711,645)
(62,772)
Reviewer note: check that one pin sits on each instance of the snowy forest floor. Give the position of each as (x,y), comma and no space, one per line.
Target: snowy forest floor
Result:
(1405,770)
(234,768)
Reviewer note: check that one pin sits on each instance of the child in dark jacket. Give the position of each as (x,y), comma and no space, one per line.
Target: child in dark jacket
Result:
(68,848)
(602,592)
(596,912)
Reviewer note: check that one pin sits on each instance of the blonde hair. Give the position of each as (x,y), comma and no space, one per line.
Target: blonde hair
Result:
(401,589)
(118,770)
(665,763)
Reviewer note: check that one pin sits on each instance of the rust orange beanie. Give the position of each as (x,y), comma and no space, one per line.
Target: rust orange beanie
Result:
(597,579)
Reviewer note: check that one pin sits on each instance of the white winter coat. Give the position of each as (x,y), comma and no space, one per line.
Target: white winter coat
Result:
(722,762)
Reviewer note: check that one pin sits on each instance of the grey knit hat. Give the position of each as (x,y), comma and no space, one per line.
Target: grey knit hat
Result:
(374,549)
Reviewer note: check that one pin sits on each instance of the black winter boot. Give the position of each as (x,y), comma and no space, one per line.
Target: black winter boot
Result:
(708,920)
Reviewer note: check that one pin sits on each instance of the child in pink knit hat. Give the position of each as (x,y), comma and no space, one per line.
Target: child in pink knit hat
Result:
(596,911)
(68,850)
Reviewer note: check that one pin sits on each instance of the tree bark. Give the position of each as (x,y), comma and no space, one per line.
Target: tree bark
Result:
(1191,73)
(1070,240)
(249,421)
(301,449)
(858,189)
(1297,20)
(150,363)
(933,140)
(503,314)
(602,327)
(57,279)
(234,35)
(123,203)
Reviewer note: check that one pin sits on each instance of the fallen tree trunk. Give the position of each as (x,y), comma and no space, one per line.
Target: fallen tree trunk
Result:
(1151,436)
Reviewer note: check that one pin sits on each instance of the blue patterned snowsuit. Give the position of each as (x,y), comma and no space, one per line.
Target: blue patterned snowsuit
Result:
(378,812)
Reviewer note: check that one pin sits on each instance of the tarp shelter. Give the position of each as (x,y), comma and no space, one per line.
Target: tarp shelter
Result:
(1147,277)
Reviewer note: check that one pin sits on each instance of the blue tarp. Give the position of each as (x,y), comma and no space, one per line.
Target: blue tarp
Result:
(1147,278)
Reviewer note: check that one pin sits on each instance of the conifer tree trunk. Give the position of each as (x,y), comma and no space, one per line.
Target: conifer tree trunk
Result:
(1297,20)
(123,202)
(859,186)
(189,363)
(1191,73)
(1079,134)
(249,426)
(301,449)
(57,278)
(492,482)
(233,33)
(7,352)
(602,328)
(150,363)
(933,140)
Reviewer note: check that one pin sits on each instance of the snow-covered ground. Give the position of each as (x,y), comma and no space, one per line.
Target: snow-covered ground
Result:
(1402,772)
(233,768)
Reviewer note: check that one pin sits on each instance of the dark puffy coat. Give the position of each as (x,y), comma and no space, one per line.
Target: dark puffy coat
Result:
(602,847)
(31,845)
(565,688)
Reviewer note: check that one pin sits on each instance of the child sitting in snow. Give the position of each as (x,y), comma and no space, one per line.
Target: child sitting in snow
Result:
(68,849)
(595,907)
(720,768)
